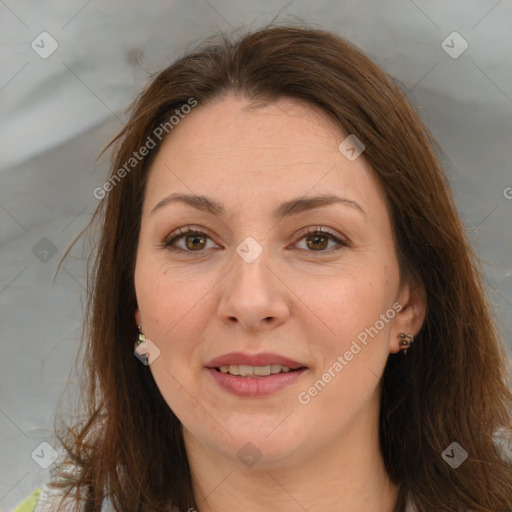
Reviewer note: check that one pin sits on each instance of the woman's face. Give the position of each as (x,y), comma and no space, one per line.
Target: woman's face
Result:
(258,287)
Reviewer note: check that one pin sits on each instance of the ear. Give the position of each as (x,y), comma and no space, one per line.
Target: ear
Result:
(411,316)
(137,317)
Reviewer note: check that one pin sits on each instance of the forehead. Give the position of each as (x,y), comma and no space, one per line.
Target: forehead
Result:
(231,148)
(234,122)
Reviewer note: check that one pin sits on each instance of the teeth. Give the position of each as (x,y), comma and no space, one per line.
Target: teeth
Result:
(234,369)
(262,371)
(250,371)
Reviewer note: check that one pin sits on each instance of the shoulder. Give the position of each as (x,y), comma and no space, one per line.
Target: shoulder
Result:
(46,499)
(30,503)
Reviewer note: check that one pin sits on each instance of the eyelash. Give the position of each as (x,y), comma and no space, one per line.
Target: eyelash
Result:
(169,243)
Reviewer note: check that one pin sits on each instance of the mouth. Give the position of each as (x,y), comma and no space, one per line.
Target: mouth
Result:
(263,364)
(254,376)
(242,370)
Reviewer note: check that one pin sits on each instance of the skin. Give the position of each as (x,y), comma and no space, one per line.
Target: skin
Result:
(295,300)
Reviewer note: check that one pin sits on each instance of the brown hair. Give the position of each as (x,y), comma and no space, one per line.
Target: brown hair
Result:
(451,386)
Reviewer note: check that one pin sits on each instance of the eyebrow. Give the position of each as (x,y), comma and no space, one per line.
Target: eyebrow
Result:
(286,209)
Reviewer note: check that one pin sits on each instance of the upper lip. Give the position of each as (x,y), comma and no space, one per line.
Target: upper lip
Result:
(264,359)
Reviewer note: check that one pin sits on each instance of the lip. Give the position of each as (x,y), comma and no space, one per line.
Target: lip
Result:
(255,386)
(263,359)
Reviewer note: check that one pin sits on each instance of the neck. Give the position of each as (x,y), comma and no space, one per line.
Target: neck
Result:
(347,477)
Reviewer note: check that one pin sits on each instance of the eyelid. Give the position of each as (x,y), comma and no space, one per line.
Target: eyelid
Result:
(342,241)
(168,242)
(320,229)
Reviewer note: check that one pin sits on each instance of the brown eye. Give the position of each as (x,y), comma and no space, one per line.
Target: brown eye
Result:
(317,240)
(194,241)
(189,240)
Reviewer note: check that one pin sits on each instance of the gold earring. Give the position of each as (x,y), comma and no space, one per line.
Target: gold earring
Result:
(141,338)
(405,341)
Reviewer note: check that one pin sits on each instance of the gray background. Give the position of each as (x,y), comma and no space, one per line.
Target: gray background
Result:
(58,112)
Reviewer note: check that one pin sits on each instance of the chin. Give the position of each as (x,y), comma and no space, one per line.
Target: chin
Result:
(265,446)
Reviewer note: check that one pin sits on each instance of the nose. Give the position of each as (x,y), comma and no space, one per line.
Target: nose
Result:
(253,295)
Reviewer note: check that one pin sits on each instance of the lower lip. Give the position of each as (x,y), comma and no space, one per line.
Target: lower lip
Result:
(255,386)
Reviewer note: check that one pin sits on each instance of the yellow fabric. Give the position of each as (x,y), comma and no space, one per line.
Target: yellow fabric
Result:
(30,503)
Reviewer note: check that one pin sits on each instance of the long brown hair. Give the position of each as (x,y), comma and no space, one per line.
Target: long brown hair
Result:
(452,385)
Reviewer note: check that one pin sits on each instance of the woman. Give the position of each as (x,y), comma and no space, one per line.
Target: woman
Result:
(311,331)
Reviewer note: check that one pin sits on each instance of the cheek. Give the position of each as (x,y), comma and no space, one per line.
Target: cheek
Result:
(162,293)
(355,348)
(352,309)
(347,303)
(170,305)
